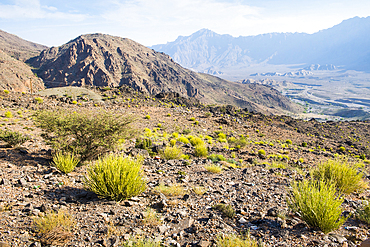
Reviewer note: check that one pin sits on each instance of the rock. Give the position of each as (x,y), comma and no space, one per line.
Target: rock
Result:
(365,243)
(204,243)
(162,229)
(4,181)
(340,239)
(22,182)
(242,220)
(3,244)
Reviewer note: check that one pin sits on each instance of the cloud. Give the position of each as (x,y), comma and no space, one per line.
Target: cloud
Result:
(169,18)
(32,9)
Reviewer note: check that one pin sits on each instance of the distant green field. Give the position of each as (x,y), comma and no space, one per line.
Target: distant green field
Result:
(71,91)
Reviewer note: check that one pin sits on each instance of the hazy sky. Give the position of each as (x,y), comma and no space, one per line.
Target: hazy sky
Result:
(150,22)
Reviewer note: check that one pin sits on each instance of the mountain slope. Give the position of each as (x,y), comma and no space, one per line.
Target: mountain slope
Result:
(346,44)
(104,60)
(19,48)
(16,75)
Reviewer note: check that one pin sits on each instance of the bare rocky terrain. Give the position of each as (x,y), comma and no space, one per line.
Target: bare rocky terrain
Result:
(254,185)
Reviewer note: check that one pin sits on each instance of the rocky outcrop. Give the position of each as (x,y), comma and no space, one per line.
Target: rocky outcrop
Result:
(16,75)
(104,60)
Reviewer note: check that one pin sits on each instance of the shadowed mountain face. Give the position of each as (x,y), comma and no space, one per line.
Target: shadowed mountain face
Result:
(346,44)
(104,60)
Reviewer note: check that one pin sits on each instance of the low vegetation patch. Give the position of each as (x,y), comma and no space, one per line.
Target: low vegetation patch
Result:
(226,210)
(344,174)
(115,177)
(54,228)
(232,240)
(13,138)
(66,163)
(317,203)
(363,212)
(171,153)
(213,168)
(173,190)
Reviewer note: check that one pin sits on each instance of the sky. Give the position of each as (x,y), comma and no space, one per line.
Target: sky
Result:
(151,22)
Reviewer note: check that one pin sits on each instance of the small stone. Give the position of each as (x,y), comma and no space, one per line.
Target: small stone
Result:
(22,182)
(242,220)
(204,243)
(340,239)
(135,199)
(4,182)
(162,229)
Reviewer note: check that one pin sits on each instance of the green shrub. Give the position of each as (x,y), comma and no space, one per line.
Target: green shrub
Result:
(207,114)
(186,131)
(74,102)
(343,174)
(87,134)
(39,100)
(65,162)
(200,150)
(143,143)
(226,210)
(216,157)
(115,177)
(317,204)
(192,119)
(304,144)
(342,149)
(232,240)
(6,91)
(147,117)
(289,142)
(363,213)
(195,141)
(8,114)
(183,139)
(172,142)
(171,153)
(13,138)
(261,152)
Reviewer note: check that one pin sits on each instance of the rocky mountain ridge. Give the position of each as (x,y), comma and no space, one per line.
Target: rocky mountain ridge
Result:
(108,61)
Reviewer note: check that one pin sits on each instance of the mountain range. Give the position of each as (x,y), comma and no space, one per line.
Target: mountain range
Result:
(346,45)
(108,61)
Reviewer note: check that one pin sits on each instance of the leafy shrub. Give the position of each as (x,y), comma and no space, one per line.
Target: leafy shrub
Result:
(144,143)
(6,91)
(13,138)
(207,114)
(289,142)
(39,100)
(192,119)
(237,142)
(54,227)
(172,153)
(175,135)
(200,151)
(261,152)
(216,157)
(183,139)
(213,168)
(174,190)
(65,162)
(343,174)
(147,117)
(317,204)
(363,213)
(8,114)
(342,149)
(227,210)
(186,131)
(195,141)
(115,177)
(304,144)
(232,240)
(172,142)
(87,134)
